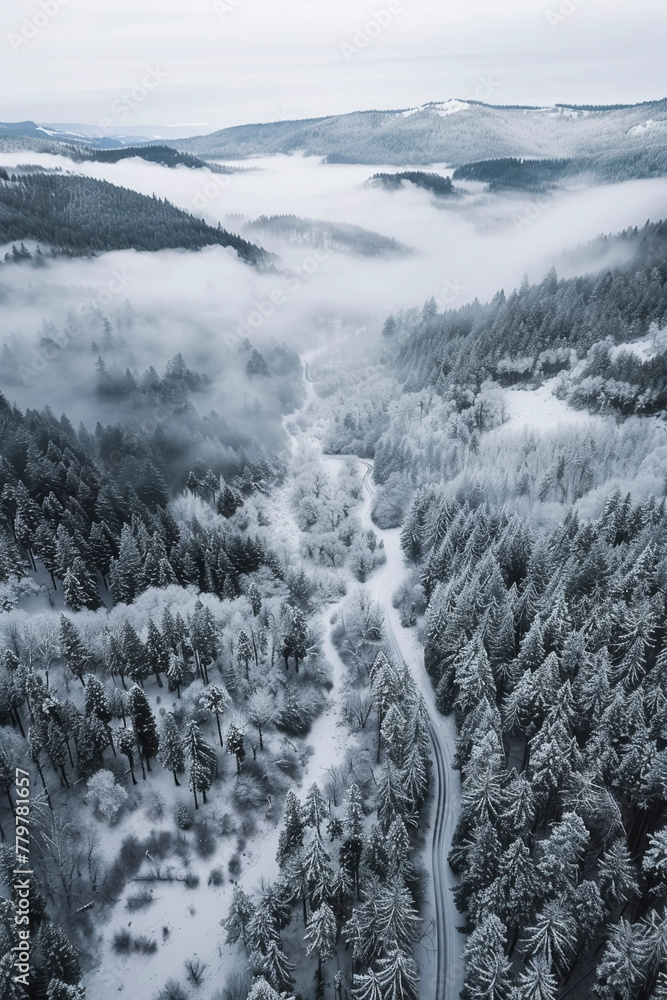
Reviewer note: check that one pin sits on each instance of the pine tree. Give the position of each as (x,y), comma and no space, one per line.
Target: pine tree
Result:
(157,651)
(244,650)
(261,990)
(391,799)
(76,655)
(57,749)
(315,809)
(203,637)
(171,755)
(367,987)
(127,745)
(553,934)
(58,955)
(143,723)
(290,841)
(537,983)
(617,875)
(620,970)
(397,976)
(319,873)
(262,710)
(216,699)
(96,701)
(487,975)
(201,760)
(137,665)
(277,967)
(79,587)
(255,598)
(236,745)
(241,911)
(175,673)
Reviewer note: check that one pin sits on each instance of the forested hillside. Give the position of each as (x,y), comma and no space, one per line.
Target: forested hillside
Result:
(65,213)
(330,235)
(544,626)
(533,331)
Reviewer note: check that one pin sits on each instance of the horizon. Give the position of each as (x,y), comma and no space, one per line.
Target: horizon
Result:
(207,129)
(223,63)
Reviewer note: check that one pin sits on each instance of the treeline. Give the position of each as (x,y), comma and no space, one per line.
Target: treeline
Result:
(86,505)
(80,216)
(330,235)
(511,173)
(620,381)
(435,183)
(551,648)
(165,156)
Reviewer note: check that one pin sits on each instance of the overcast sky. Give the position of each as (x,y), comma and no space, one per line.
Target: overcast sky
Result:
(216,63)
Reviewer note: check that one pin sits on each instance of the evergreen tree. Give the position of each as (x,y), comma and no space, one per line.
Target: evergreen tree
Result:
(201,761)
(127,745)
(74,651)
(171,755)
(315,809)
(240,912)
(143,723)
(217,700)
(290,841)
(236,745)
(157,651)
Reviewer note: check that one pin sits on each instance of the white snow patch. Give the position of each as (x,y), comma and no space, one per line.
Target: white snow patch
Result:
(539,409)
(450,107)
(645,126)
(643,349)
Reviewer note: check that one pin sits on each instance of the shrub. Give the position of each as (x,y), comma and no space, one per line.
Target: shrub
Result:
(234,866)
(184,817)
(131,855)
(122,942)
(205,837)
(216,877)
(195,970)
(144,945)
(191,881)
(140,901)
(105,795)
(172,990)
(248,793)
(237,986)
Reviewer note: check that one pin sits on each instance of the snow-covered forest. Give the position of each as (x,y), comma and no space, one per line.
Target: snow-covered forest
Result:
(332,615)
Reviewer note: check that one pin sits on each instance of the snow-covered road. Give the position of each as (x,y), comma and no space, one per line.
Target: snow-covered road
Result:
(441,965)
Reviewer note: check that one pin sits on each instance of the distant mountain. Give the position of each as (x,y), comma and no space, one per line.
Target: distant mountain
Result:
(458,132)
(31,130)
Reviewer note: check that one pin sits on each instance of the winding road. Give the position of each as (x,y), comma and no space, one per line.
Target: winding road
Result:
(442,963)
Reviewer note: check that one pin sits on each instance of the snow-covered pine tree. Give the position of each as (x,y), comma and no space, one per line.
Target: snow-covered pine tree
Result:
(201,760)
(171,755)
